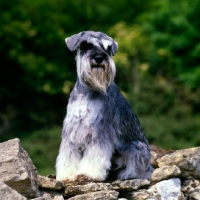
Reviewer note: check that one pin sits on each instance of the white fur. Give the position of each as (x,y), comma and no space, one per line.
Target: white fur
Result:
(67,165)
(79,109)
(94,41)
(68,161)
(106,43)
(96,160)
(66,40)
(88,77)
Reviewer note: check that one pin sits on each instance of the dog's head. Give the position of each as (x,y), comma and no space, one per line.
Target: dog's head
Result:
(95,66)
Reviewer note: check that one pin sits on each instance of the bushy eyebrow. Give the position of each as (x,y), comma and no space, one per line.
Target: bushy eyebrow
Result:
(94,41)
(106,43)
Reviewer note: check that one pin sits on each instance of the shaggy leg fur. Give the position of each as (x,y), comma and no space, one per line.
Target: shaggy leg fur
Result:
(95,162)
(67,163)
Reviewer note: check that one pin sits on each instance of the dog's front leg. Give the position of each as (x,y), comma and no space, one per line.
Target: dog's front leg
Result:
(96,161)
(67,162)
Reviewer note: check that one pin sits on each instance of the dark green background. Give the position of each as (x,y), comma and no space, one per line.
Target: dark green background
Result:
(158,68)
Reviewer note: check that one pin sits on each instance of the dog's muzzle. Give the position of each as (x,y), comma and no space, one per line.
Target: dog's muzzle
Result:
(98,61)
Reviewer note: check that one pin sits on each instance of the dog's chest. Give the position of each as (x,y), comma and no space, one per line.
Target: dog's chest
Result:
(82,109)
(82,116)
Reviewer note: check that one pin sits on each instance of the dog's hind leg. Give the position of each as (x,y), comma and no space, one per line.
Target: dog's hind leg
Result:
(134,162)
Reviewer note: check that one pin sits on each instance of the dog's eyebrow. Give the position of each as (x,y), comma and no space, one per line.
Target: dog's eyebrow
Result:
(106,43)
(94,41)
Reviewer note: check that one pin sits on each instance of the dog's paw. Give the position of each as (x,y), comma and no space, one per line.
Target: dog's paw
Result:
(79,180)
(83,179)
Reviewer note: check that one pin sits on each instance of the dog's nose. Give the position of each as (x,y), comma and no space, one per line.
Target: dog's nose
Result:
(98,59)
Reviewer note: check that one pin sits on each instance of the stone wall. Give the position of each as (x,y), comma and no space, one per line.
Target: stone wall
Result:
(176,176)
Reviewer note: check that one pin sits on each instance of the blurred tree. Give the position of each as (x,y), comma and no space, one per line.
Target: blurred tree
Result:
(157,63)
(173,29)
(38,70)
(132,55)
(156,55)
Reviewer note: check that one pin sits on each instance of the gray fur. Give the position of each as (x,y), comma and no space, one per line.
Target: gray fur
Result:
(74,41)
(101,133)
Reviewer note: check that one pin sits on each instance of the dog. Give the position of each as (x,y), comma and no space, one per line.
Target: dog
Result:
(101,134)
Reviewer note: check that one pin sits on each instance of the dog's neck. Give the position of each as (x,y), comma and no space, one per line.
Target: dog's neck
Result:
(83,89)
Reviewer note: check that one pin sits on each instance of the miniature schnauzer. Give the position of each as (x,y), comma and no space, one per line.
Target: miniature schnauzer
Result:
(101,134)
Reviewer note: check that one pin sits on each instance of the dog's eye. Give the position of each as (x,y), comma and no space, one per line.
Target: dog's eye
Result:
(86,46)
(109,50)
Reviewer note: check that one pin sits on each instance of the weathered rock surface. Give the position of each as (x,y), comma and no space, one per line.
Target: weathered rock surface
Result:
(176,177)
(127,185)
(188,160)
(165,172)
(7,193)
(90,187)
(101,195)
(142,195)
(191,189)
(17,170)
(164,190)
(156,153)
(49,183)
(170,189)
(48,195)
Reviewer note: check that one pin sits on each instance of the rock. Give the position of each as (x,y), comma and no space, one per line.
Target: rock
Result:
(49,183)
(50,195)
(19,179)
(156,153)
(7,193)
(150,194)
(154,192)
(165,172)
(170,189)
(17,170)
(101,195)
(138,195)
(191,189)
(129,185)
(188,160)
(82,189)
(164,190)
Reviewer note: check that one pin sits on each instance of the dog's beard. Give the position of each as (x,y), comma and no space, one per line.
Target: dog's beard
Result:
(98,78)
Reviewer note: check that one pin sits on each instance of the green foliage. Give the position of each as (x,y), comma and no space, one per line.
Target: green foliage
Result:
(158,68)
(36,63)
(168,118)
(173,29)
(42,147)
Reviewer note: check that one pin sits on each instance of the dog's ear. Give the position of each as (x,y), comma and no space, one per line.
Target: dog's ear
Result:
(114,48)
(74,41)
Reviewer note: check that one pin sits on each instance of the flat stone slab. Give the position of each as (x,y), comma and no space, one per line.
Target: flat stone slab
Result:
(127,185)
(82,189)
(49,183)
(165,172)
(100,195)
(188,161)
